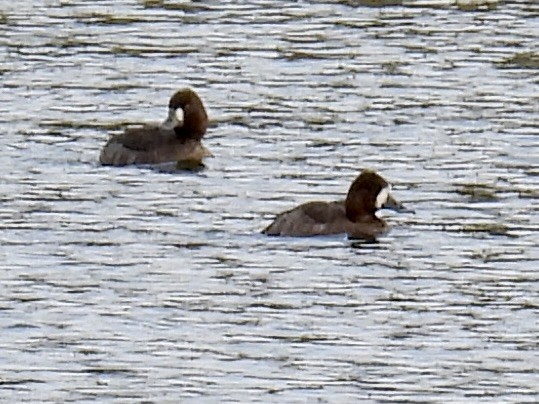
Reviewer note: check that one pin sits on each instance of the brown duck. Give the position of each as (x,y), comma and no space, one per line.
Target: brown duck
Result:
(354,216)
(173,140)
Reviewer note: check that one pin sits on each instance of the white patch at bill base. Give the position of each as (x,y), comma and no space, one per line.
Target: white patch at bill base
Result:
(382,196)
(172,120)
(179,115)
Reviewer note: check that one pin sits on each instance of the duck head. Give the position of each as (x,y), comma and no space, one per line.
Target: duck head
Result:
(195,119)
(368,193)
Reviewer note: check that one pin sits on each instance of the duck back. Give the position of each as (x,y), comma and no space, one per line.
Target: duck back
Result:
(310,219)
(150,144)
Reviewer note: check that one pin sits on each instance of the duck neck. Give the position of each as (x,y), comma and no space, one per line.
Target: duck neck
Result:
(358,208)
(195,122)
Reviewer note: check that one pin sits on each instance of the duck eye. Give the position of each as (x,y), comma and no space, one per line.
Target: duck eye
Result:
(382,196)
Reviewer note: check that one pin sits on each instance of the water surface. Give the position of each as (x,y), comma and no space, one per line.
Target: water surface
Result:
(138,285)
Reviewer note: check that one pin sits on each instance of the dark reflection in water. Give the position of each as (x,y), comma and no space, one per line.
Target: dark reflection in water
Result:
(155,284)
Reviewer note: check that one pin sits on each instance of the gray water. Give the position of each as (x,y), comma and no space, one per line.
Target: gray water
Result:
(142,284)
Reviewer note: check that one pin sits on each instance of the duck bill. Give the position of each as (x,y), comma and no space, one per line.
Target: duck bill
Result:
(206,152)
(172,120)
(395,205)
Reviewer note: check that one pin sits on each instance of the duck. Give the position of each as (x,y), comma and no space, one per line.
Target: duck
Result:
(171,141)
(354,216)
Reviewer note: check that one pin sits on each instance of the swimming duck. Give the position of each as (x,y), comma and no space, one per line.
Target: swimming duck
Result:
(354,216)
(173,140)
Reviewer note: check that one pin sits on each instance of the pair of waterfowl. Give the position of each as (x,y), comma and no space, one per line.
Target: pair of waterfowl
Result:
(180,141)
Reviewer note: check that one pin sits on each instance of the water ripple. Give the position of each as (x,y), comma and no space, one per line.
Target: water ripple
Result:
(146,284)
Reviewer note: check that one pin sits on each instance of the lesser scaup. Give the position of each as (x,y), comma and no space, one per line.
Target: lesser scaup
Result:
(173,140)
(354,216)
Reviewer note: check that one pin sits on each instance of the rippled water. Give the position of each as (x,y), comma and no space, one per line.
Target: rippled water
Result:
(139,284)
